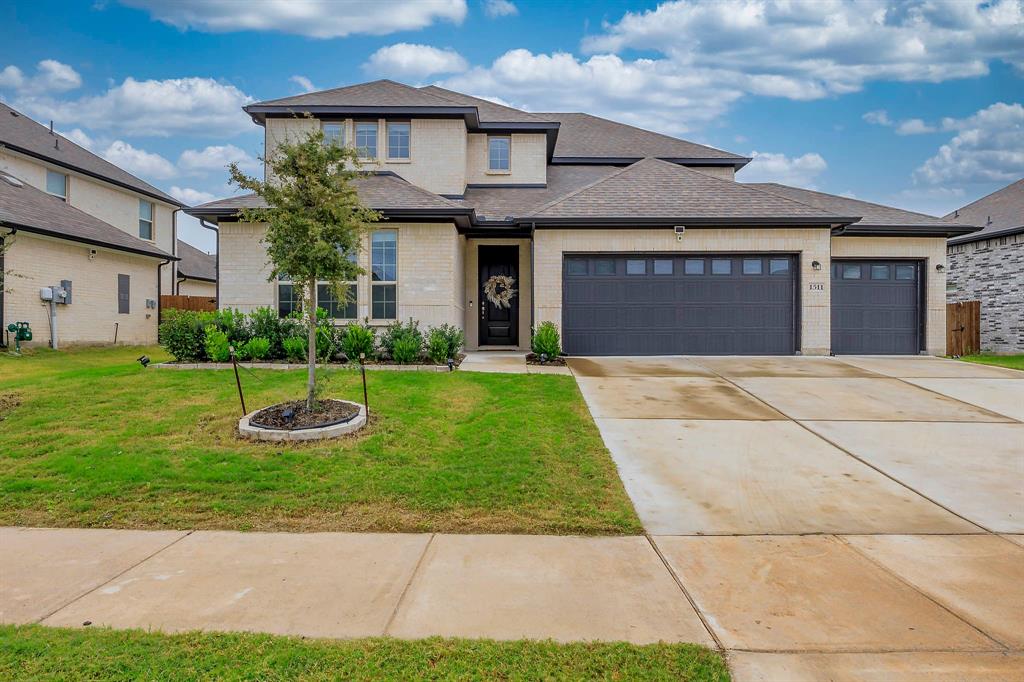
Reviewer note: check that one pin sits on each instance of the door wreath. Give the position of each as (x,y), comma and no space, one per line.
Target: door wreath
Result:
(500,290)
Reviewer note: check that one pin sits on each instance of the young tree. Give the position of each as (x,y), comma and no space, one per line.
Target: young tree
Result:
(315,221)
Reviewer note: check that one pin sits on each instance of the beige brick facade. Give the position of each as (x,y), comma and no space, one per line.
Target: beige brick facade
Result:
(811,244)
(932,251)
(472,289)
(34,262)
(527,165)
(197,287)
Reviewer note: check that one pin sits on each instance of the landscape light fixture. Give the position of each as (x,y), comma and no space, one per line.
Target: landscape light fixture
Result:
(451,365)
(144,361)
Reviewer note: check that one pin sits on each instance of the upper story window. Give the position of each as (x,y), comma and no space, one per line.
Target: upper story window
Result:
(499,154)
(145,220)
(398,140)
(366,140)
(334,133)
(57,184)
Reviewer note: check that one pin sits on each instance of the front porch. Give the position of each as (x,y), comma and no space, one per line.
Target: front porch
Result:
(490,327)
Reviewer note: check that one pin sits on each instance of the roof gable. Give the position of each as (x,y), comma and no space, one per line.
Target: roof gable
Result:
(375,93)
(22,134)
(999,213)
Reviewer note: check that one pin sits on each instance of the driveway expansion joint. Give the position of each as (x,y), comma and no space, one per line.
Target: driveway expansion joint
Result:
(682,588)
(408,584)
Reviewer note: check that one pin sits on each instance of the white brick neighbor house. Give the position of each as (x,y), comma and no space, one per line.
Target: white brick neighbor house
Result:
(630,241)
(988,266)
(68,216)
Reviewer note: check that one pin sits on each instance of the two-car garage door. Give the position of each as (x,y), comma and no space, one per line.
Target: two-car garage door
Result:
(652,304)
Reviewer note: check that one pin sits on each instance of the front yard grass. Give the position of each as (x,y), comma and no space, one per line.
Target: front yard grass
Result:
(38,653)
(90,439)
(1011,361)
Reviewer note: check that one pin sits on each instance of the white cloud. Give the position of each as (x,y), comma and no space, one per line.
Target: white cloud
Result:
(216,158)
(192,197)
(914,126)
(988,147)
(79,137)
(414,61)
(304,83)
(937,201)
(160,108)
(878,117)
(51,77)
(139,162)
(808,49)
(800,171)
(500,8)
(311,18)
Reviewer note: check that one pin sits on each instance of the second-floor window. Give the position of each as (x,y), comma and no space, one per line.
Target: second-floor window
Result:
(398,140)
(334,133)
(57,184)
(145,220)
(499,154)
(366,140)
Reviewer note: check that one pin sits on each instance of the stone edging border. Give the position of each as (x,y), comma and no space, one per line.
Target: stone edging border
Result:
(292,366)
(245,430)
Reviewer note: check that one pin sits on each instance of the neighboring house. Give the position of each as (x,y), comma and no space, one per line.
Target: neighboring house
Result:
(630,241)
(197,272)
(66,215)
(988,266)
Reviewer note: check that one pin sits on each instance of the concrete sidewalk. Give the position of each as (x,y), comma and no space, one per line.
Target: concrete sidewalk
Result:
(779,605)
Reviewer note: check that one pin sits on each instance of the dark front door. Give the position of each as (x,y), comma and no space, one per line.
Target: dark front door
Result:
(499,326)
(876,307)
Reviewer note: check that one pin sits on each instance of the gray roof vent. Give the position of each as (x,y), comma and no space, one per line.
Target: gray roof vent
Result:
(11,180)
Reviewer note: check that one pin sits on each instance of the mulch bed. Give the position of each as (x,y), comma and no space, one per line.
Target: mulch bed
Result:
(325,413)
(534,359)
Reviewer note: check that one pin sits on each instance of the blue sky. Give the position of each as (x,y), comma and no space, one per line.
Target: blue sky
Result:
(914,104)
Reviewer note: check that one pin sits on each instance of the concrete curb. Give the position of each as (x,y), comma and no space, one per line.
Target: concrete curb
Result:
(283,366)
(322,433)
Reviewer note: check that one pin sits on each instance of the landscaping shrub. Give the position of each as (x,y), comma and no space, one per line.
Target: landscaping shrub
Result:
(358,338)
(327,336)
(265,323)
(398,331)
(295,348)
(256,348)
(406,350)
(444,342)
(217,343)
(546,340)
(234,324)
(182,335)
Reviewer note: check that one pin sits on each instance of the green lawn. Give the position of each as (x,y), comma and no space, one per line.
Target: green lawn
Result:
(37,653)
(1011,361)
(89,438)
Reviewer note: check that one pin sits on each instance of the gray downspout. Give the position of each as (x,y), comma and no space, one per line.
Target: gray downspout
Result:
(174,249)
(159,288)
(533,283)
(216,262)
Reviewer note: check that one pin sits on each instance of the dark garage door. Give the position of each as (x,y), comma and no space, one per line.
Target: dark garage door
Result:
(876,307)
(624,304)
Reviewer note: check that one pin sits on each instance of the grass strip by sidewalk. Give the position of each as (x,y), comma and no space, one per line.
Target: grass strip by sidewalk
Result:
(88,438)
(1011,361)
(37,653)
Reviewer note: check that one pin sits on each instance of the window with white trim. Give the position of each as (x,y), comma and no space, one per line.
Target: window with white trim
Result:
(57,184)
(399,135)
(499,154)
(334,133)
(384,275)
(145,220)
(366,139)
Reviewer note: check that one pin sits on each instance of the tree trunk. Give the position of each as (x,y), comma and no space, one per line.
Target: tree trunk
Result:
(311,357)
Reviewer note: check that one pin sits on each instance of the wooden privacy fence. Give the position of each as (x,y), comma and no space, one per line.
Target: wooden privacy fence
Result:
(963,328)
(188,302)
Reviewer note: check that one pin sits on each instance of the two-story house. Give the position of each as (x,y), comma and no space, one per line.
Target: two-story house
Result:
(632,242)
(68,216)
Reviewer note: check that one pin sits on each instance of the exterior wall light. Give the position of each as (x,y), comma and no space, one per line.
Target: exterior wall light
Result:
(815,265)
(940,267)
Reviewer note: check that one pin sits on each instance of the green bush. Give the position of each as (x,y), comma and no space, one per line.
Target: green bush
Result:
(444,342)
(266,324)
(406,350)
(182,335)
(295,348)
(327,336)
(546,341)
(358,338)
(395,332)
(256,348)
(234,324)
(217,345)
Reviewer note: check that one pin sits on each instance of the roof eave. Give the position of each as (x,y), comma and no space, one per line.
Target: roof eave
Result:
(457,215)
(736,163)
(869,230)
(979,235)
(609,221)
(85,240)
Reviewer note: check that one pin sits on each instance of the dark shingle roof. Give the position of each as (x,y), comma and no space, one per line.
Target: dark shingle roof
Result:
(871,214)
(22,134)
(382,191)
(195,264)
(489,111)
(586,136)
(498,203)
(27,208)
(655,189)
(999,213)
(379,93)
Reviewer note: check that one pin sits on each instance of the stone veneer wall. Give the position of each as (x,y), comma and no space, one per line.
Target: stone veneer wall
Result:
(992,271)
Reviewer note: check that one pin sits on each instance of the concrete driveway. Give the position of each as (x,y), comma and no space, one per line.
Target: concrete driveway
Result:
(831,518)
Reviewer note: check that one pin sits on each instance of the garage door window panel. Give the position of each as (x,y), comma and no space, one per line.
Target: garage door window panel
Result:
(694,266)
(778,266)
(575,267)
(720,266)
(604,266)
(879,272)
(906,273)
(752,266)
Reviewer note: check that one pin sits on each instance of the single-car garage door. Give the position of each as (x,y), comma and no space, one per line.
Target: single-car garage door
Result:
(652,304)
(876,307)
